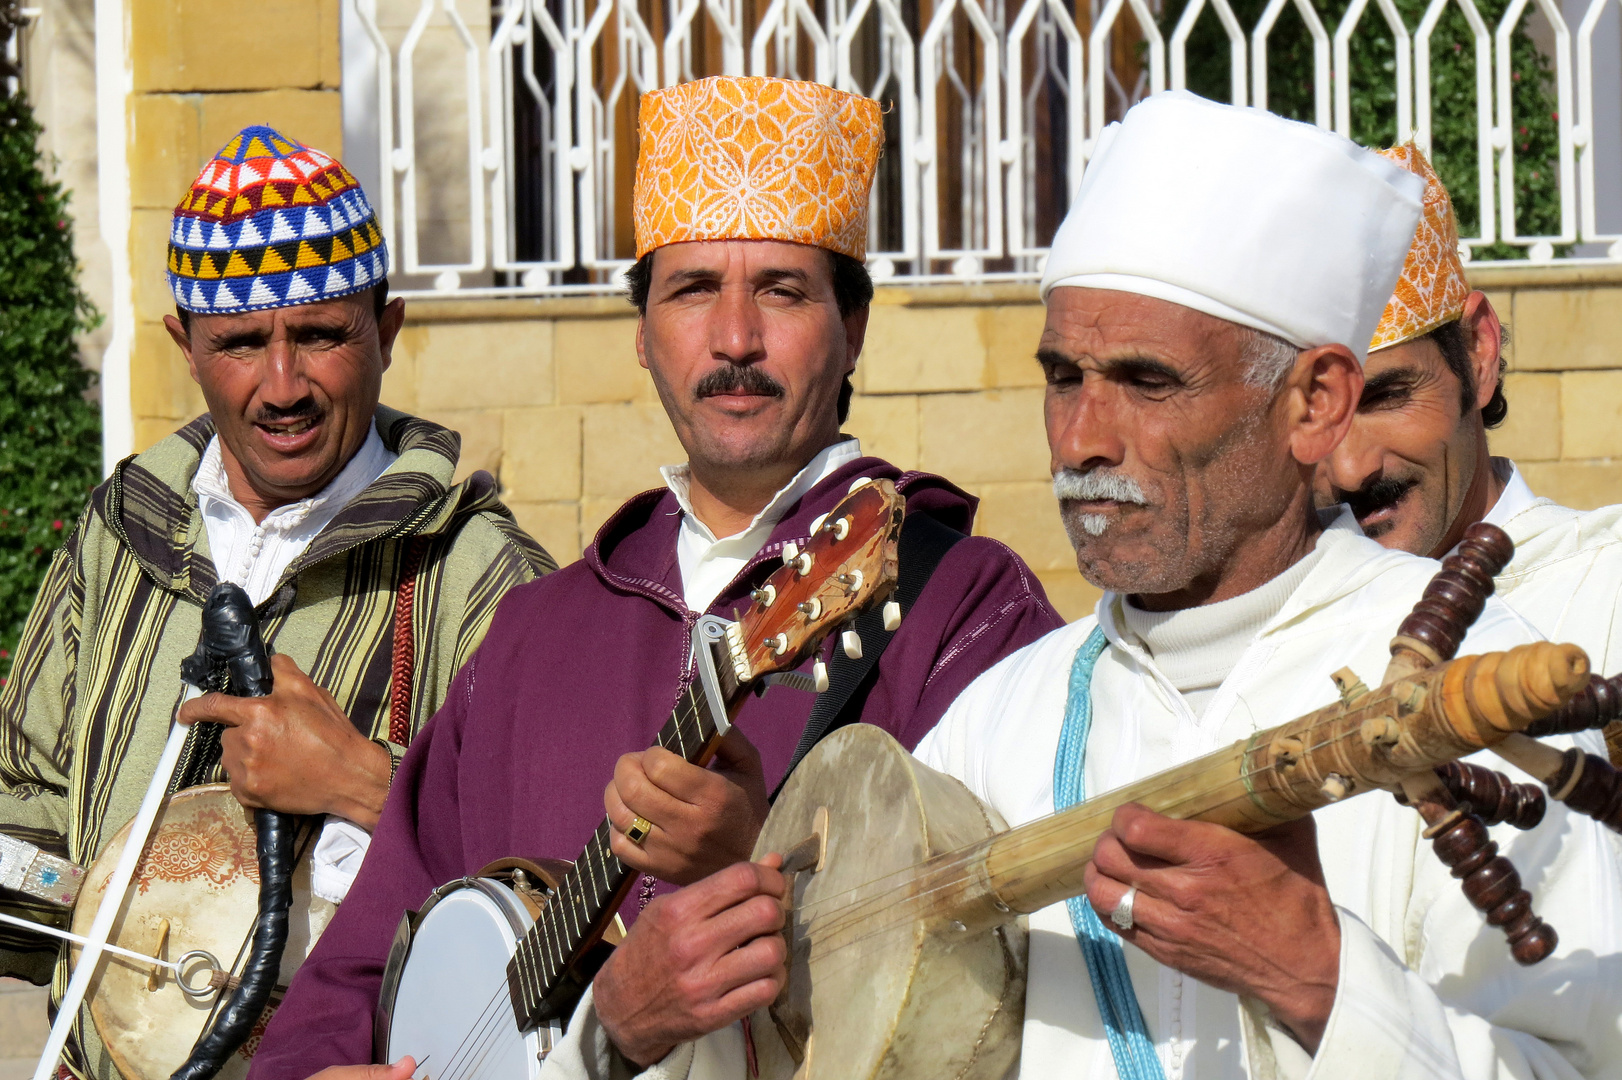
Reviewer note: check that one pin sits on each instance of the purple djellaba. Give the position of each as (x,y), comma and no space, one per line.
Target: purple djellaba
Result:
(586,664)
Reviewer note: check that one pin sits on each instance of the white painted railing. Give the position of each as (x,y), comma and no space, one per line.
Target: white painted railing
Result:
(498,142)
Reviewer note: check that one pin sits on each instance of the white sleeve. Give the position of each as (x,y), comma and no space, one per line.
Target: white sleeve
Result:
(586,1053)
(1460,1008)
(337,858)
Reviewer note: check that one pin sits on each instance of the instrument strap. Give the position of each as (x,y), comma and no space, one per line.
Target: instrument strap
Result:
(924,543)
(1129,1041)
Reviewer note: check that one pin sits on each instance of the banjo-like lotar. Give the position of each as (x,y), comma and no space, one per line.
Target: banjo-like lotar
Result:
(483,977)
(904,944)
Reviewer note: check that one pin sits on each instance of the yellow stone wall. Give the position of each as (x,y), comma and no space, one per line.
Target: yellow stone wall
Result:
(548,395)
(202,71)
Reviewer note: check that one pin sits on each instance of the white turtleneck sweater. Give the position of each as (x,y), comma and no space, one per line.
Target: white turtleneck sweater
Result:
(1197,647)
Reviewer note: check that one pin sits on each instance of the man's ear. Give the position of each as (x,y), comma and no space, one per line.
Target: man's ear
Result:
(388,328)
(641,352)
(855,337)
(1485,335)
(178,332)
(1323,391)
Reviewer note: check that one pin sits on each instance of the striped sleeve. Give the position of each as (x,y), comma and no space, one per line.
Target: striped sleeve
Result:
(36,744)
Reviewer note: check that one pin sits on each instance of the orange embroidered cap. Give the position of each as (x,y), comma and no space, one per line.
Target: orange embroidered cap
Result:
(750,158)
(1432,288)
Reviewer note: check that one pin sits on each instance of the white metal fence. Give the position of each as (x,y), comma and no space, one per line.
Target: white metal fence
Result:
(498,140)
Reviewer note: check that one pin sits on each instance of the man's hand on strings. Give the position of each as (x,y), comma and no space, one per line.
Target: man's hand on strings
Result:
(695,961)
(704,819)
(295,750)
(1246,914)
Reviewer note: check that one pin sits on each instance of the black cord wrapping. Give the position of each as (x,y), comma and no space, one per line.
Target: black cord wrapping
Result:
(231,657)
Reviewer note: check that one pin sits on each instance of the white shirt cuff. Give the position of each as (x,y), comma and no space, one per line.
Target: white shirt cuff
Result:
(337,858)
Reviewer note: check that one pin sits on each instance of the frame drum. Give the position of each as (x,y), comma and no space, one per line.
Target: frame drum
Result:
(197,888)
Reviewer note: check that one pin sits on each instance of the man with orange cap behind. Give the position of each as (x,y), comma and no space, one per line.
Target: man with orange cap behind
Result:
(751,204)
(1415,467)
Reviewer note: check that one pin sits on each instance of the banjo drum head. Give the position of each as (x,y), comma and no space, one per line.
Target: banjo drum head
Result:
(200,875)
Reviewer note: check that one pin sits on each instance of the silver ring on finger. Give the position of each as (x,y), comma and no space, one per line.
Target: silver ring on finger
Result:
(1122,915)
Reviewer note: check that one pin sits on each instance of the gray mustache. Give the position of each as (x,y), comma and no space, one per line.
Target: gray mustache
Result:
(1069,485)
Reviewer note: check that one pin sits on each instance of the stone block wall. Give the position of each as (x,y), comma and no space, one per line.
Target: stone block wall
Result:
(548,395)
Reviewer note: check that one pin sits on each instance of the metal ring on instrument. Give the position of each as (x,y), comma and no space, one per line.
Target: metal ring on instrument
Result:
(186,988)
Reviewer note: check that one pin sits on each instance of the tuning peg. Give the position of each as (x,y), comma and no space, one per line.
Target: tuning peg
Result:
(1594,706)
(1492,796)
(764,595)
(1491,883)
(851,642)
(819,675)
(816,522)
(860,481)
(791,551)
(892,616)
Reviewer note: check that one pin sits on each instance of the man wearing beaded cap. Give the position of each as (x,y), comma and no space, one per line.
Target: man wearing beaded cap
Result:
(1415,467)
(296,485)
(751,221)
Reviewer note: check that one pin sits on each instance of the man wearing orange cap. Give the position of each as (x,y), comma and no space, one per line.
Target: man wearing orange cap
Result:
(751,204)
(1415,467)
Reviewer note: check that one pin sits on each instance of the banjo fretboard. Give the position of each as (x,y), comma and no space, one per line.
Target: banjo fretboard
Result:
(539,974)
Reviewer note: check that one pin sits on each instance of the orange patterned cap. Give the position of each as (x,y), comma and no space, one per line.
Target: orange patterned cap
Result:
(1432,289)
(749,158)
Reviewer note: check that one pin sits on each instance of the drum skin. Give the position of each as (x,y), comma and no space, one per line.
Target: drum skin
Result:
(201,873)
(452,1011)
(888,997)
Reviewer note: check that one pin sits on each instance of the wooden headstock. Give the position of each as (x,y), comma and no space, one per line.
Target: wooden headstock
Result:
(850,562)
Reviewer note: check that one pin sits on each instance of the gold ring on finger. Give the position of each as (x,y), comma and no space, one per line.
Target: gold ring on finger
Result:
(638,830)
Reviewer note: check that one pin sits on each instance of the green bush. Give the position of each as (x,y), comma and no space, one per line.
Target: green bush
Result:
(50,435)
(1373,97)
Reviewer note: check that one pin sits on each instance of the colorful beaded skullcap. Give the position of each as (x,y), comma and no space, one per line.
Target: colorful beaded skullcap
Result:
(272,223)
(748,158)
(1432,289)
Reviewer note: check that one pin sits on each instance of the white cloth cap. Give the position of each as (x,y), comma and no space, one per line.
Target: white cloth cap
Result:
(1266,222)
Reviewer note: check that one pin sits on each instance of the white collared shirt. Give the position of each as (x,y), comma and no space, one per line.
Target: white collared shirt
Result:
(255,555)
(1515,497)
(708,564)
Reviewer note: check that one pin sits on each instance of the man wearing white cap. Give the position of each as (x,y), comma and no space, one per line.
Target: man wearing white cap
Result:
(1210,299)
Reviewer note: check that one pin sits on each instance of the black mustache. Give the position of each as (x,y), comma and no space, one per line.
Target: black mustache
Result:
(1375,495)
(733,379)
(277,414)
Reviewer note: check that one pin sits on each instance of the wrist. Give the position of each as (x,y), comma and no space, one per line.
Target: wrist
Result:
(1304,1008)
(371,773)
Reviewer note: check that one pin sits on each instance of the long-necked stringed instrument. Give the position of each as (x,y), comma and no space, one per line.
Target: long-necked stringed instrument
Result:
(905,940)
(482,978)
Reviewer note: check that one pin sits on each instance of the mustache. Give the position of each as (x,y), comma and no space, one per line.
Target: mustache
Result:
(1097,485)
(734,379)
(1375,495)
(306,409)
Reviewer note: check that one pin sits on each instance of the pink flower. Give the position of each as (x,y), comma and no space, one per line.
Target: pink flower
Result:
(57,524)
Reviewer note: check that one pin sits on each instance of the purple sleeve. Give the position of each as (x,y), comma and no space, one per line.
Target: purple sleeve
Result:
(981,604)
(326,1018)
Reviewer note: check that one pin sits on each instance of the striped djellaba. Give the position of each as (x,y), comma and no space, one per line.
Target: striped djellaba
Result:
(96,680)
